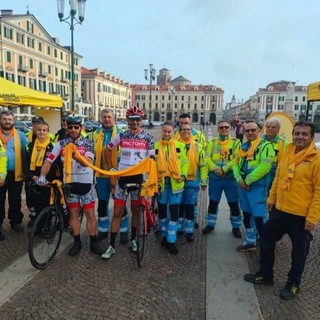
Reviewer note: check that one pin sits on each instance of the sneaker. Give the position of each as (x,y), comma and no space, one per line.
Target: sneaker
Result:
(257,279)
(190,237)
(96,248)
(75,249)
(124,237)
(237,233)
(17,227)
(207,229)
(101,236)
(133,245)
(109,253)
(289,291)
(247,247)
(172,248)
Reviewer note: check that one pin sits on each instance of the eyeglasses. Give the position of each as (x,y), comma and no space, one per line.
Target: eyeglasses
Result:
(250,130)
(222,127)
(74,127)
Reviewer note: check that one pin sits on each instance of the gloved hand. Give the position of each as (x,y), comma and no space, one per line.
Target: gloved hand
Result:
(41,181)
(113,170)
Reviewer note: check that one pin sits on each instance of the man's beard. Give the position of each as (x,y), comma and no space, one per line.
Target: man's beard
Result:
(6,126)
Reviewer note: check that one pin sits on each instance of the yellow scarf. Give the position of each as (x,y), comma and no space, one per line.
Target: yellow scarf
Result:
(224,148)
(168,168)
(38,153)
(295,159)
(100,154)
(150,187)
(192,157)
(58,183)
(250,153)
(18,172)
(280,151)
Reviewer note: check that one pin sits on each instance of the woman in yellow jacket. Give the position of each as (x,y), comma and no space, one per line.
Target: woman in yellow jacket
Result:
(172,167)
(197,176)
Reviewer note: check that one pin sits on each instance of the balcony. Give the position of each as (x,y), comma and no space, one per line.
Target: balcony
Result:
(43,74)
(23,68)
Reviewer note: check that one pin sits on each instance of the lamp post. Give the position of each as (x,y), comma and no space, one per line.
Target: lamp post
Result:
(73,11)
(171,92)
(150,75)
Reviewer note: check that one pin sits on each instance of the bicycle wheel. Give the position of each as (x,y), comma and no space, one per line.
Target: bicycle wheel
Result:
(45,237)
(141,236)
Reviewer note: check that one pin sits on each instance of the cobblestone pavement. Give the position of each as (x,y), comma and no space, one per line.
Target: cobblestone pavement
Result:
(87,287)
(166,287)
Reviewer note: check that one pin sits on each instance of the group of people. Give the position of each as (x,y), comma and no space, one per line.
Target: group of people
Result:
(273,182)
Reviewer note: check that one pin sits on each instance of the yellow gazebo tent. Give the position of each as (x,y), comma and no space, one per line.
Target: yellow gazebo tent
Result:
(15,95)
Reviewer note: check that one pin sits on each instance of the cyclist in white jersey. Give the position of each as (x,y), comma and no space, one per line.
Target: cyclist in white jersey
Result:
(81,183)
(136,145)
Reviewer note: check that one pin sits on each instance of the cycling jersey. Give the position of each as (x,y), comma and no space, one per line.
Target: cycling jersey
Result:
(134,147)
(79,173)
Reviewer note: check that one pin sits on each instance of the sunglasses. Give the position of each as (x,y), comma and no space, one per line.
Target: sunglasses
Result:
(74,127)
(250,130)
(222,127)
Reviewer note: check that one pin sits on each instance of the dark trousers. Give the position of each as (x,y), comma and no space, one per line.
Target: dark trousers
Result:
(279,224)
(14,189)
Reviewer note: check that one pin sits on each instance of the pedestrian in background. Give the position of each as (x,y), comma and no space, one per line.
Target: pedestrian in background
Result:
(294,205)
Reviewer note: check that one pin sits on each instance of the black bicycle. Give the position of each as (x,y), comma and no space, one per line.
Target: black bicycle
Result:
(46,232)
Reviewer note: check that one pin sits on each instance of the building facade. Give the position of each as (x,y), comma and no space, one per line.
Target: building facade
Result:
(102,90)
(30,57)
(167,99)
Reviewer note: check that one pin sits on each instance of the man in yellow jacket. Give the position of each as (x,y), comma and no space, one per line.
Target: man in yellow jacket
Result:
(294,205)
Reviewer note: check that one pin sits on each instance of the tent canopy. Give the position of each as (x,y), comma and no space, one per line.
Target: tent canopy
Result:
(15,95)
(313,91)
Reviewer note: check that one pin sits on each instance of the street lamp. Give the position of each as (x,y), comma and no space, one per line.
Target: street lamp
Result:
(73,11)
(171,92)
(152,76)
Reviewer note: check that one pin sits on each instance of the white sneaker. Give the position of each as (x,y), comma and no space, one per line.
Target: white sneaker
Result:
(109,253)
(133,246)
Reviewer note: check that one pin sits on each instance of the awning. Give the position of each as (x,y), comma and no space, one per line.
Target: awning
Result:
(313,91)
(15,95)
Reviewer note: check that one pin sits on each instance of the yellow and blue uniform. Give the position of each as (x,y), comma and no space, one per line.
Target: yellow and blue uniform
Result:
(279,145)
(225,183)
(191,190)
(104,187)
(256,174)
(171,193)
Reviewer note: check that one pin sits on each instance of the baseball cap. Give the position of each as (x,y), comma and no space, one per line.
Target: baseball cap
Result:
(37,119)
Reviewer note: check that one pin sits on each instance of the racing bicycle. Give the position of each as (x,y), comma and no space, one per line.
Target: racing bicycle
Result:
(147,219)
(46,232)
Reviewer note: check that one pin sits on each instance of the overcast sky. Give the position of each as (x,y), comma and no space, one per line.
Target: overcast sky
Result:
(237,45)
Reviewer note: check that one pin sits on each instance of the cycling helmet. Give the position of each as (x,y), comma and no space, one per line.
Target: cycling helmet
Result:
(134,112)
(74,119)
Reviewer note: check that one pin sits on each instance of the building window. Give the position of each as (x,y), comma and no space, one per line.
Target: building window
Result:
(20,38)
(296,98)
(49,51)
(40,46)
(8,33)
(61,55)
(55,53)
(22,80)
(49,69)
(304,98)
(31,63)
(30,26)
(296,107)
(9,56)
(162,105)
(30,43)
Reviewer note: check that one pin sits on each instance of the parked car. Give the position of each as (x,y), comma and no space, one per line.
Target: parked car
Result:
(28,123)
(122,125)
(22,126)
(144,123)
(157,123)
